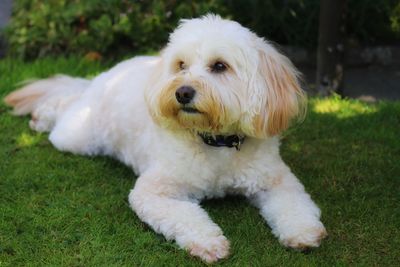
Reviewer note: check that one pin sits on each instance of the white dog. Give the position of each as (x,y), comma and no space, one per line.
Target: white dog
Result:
(199,121)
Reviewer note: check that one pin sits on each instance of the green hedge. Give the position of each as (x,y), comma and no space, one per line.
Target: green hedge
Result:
(43,27)
(117,27)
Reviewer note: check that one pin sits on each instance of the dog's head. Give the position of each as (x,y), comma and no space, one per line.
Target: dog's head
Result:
(217,76)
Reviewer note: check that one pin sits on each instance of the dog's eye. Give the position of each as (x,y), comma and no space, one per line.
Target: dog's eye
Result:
(218,67)
(182,65)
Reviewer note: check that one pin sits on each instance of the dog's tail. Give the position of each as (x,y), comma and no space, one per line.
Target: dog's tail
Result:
(46,99)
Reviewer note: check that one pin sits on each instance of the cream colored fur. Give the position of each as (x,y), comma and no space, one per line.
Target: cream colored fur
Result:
(130,112)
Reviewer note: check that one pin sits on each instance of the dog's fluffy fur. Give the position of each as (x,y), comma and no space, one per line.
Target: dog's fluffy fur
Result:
(131,112)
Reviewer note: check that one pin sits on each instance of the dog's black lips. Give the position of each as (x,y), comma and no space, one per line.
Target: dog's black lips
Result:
(190,110)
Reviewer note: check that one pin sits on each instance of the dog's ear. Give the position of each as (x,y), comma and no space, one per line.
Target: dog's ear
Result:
(277,94)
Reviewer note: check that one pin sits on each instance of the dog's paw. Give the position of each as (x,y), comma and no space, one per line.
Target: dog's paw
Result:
(211,249)
(309,237)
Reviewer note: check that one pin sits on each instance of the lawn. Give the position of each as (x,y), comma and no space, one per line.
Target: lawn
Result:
(59,209)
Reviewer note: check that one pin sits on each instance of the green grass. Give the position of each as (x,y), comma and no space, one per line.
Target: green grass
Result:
(58,209)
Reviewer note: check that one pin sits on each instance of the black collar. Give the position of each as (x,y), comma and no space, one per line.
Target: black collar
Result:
(222,140)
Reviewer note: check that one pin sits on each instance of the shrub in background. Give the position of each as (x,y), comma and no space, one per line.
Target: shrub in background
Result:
(117,27)
(295,22)
(371,22)
(40,27)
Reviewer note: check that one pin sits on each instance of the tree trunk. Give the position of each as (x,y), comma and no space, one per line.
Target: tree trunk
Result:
(330,47)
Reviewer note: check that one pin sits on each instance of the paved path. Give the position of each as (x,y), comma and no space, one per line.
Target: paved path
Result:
(367,83)
(5,13)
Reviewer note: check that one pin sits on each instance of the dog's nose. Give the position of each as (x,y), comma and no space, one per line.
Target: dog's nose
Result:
(185,94)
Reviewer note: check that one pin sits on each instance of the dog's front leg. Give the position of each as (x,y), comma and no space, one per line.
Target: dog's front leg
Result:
(169,212)
(290,212)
